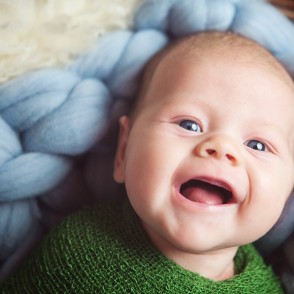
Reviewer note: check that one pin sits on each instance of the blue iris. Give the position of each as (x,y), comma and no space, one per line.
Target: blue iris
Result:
(256,145)
(190,125)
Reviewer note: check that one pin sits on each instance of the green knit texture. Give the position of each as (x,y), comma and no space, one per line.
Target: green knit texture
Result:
(105,250)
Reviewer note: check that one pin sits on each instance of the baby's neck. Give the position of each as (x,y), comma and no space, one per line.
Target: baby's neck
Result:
(216,265)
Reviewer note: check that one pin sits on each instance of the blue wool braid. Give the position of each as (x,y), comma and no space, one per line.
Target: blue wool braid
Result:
(254,19)
(50,116)
(23,212)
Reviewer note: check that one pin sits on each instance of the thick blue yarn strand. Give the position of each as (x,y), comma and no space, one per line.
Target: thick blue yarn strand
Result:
(50,116)
(12,214)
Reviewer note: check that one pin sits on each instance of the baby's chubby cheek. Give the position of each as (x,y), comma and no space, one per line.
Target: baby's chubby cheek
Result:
(151,160)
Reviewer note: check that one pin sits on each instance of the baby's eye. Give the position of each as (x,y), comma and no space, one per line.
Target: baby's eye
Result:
(190,125)
(256,145)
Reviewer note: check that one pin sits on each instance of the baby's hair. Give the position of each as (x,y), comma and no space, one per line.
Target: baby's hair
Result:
(204,43)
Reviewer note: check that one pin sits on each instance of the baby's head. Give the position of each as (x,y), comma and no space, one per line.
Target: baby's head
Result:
(207,153)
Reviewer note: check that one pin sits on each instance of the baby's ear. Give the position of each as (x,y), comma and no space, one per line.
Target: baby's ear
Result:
(118,172)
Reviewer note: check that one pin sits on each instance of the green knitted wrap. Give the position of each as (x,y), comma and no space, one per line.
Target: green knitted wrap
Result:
(105,250)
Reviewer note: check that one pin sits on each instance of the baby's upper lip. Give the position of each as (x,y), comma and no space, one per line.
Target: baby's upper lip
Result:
(220,182)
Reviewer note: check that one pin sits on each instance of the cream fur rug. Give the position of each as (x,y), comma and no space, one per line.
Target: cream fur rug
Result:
(50,33)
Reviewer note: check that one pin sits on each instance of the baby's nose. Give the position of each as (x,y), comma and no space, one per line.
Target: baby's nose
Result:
(221,147)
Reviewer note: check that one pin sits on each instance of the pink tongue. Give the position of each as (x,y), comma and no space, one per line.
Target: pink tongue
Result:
(206,194)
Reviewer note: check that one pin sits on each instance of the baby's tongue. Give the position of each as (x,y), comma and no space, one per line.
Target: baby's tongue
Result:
(204,193)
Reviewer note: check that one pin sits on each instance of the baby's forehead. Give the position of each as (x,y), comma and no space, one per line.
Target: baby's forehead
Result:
(224,45)
(212,46)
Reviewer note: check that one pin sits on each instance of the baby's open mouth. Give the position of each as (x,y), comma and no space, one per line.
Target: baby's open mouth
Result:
(203,192)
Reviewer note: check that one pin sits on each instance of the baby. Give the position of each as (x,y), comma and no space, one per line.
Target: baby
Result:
(206,156)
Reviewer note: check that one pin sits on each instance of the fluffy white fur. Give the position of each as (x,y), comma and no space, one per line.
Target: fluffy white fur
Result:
(48,33)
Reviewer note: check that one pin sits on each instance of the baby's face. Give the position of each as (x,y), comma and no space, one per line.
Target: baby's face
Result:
(208,159)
